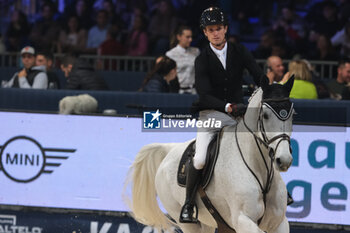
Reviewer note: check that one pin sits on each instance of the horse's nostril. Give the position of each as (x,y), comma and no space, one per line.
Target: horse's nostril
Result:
(278,160)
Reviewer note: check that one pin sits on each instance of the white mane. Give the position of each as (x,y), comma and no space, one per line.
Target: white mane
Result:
(256,91)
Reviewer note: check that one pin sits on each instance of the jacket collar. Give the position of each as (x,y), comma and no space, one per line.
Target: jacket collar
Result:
(230,53)
(218,52)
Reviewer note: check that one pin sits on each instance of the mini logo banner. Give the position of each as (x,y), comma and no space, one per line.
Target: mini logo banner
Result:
(23,159)
(151,120)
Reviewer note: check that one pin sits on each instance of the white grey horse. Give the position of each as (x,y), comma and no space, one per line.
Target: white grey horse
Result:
(251,156)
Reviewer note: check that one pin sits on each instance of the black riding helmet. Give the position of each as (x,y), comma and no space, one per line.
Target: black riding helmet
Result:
(212,16)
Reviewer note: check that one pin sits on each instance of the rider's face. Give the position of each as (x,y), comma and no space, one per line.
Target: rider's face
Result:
(216,34)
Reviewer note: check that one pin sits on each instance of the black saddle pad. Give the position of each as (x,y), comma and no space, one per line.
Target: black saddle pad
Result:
(212,154)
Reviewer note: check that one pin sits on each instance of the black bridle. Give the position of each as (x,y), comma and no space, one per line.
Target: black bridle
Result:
(283,115)
(265,141)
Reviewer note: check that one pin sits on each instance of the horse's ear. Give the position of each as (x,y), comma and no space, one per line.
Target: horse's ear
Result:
(289,84)
(264,82)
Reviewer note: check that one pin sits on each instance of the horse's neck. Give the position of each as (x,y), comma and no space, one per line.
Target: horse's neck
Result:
(252,150)
(253,154)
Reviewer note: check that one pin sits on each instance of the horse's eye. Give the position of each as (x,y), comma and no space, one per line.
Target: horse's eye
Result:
(266,116)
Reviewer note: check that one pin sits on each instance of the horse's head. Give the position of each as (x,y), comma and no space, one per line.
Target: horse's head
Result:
(275,121)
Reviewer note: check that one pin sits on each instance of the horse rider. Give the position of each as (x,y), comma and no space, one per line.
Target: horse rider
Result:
(218,82)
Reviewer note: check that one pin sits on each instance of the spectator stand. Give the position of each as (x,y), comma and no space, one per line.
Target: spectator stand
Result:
(142,64)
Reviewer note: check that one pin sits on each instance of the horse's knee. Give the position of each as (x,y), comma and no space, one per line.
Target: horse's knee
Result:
(283,227)
(246,225)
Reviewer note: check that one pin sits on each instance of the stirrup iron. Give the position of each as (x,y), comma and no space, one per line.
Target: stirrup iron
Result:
(187,216)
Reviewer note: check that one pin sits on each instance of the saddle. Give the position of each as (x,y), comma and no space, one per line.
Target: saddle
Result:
(208,170)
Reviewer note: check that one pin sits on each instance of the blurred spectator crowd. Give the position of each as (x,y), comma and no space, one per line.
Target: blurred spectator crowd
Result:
(299,30)
(315,30)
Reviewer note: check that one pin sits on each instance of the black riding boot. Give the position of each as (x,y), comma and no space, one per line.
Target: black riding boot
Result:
(289,199)
(192,180)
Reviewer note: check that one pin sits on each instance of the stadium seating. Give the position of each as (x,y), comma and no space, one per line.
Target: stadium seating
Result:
(115,80)
(123,80)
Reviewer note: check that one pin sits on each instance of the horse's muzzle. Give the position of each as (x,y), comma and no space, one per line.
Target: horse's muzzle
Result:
(283,165)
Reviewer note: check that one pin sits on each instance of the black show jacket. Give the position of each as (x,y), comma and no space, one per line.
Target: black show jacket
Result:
(216,86)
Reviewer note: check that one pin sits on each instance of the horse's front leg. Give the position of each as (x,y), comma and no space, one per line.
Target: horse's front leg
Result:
(283,227)
(246,225)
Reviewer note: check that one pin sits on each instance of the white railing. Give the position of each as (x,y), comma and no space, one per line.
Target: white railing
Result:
(325,69)
(121,63)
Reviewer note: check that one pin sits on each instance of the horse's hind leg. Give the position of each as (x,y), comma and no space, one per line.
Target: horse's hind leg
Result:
(196,228)
(283,227)
(246,225)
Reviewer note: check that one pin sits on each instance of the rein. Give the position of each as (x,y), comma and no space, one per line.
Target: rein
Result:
(266,143)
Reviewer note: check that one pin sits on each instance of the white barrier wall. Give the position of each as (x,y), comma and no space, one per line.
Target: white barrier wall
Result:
(88,156)
(81,162)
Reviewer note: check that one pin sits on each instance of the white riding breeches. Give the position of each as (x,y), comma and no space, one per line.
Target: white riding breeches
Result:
(204,135)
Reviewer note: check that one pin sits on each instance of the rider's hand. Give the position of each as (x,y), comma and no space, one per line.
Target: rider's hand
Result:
(228,108)
(238,110)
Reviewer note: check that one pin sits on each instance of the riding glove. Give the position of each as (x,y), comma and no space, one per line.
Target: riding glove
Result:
(238,110)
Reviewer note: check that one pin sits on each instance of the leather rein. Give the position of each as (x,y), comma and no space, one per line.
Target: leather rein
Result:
(265,141)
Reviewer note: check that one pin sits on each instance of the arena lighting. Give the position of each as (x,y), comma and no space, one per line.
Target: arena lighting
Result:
(89,157)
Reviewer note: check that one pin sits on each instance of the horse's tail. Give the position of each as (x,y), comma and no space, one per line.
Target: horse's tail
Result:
(144,203)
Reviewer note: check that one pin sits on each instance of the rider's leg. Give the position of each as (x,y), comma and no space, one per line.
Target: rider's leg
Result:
(195,167)
(187,211)
(204,137)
